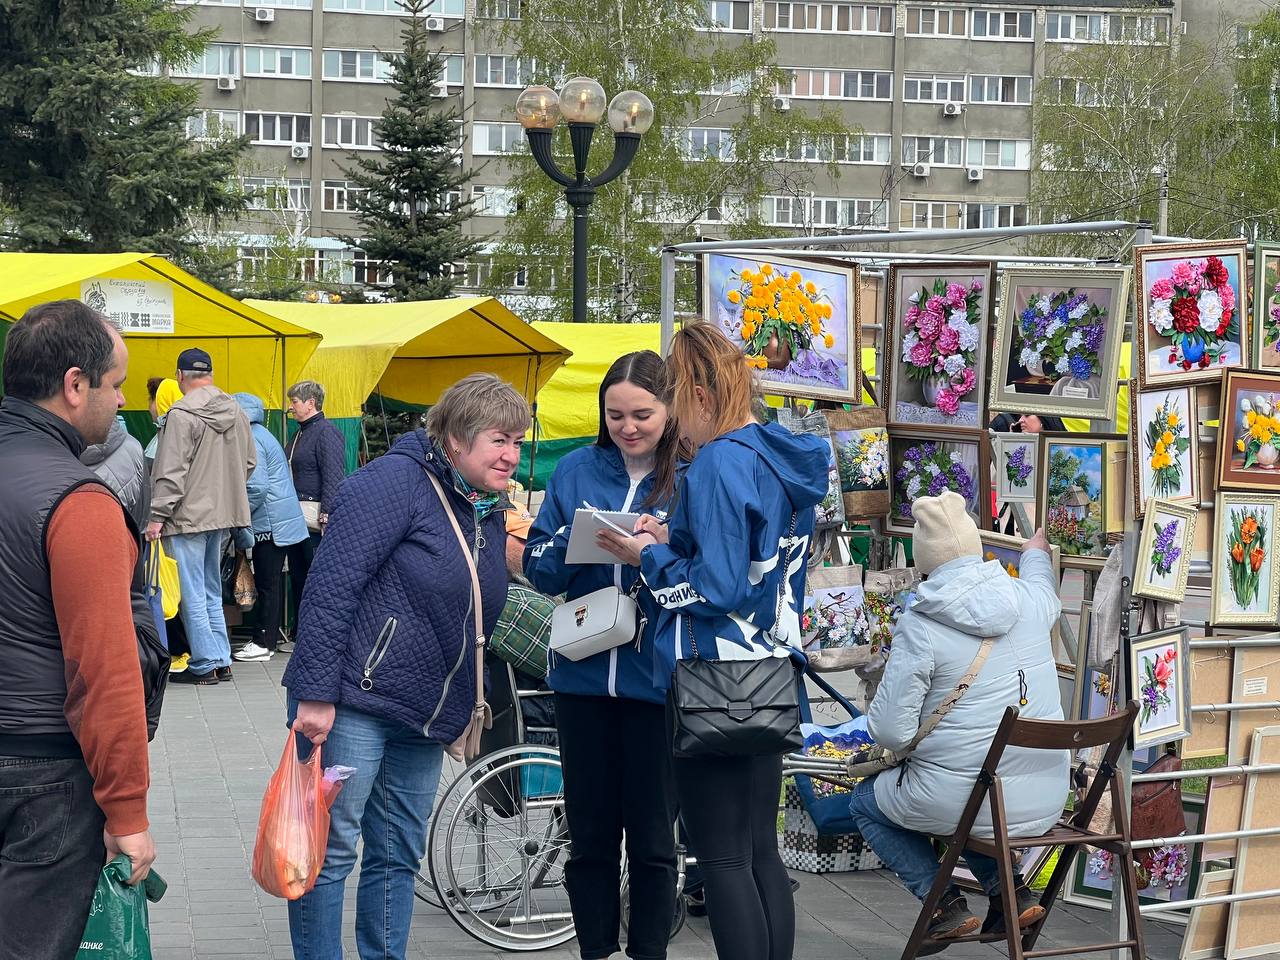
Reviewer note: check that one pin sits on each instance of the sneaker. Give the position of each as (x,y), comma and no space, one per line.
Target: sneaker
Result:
(179,664)
(952,920)
(209,679)
(223,673)
(252,653)
(1029,910)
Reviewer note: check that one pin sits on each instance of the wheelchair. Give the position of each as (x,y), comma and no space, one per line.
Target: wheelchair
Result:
(499,839)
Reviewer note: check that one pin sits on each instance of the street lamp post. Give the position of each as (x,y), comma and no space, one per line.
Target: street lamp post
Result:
(581,103)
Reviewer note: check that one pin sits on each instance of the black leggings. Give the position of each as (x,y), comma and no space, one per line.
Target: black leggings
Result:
(730,806)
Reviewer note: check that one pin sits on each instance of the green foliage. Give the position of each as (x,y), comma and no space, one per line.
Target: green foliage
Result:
(660,48)
(407,218)
(94,157)
(1065,471)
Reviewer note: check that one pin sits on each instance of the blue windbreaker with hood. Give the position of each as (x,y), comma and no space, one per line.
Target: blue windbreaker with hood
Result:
(719,577)
(596,476)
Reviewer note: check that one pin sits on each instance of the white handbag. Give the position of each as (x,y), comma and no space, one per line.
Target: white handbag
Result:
(311,514)
(595,623)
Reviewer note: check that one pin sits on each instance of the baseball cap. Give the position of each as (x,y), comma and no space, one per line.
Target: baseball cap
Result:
(195,360)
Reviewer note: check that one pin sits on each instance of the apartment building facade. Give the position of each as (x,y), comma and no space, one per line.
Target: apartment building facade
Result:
(941,93)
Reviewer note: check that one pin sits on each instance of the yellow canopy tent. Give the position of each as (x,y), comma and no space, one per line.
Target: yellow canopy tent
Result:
(412,351)
(163,310)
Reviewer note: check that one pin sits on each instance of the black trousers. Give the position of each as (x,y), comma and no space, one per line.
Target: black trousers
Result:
(300,556)
(730,807)
(51,853)
(268,578)
(617,780)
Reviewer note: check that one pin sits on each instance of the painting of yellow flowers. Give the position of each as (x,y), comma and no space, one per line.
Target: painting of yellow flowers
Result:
(1249,432)
(1164,433)
(795,319)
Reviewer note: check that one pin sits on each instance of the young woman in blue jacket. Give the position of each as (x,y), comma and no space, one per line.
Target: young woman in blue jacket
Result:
(717,572)
(609,713)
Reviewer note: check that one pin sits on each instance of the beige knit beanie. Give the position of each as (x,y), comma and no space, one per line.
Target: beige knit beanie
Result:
(944,531)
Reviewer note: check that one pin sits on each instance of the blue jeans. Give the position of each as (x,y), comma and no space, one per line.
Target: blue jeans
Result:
(907,853)
(199,557)
(387,801)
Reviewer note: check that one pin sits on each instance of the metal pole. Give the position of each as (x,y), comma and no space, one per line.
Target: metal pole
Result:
(667,298)
(580,260)
(1206,901)
(1163,220)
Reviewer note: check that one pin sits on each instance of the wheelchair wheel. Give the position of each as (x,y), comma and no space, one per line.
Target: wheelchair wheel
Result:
(497,850)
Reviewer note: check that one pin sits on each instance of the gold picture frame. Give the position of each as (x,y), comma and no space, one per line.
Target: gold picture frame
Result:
(1148,581)
(1144,484)
(1232,593)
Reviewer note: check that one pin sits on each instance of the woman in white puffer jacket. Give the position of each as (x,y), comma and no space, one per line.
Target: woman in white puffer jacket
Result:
(963,601)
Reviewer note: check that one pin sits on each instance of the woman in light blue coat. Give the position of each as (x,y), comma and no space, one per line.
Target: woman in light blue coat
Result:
(964,600)
(277,524)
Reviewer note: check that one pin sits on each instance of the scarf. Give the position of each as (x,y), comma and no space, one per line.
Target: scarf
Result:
(484,502)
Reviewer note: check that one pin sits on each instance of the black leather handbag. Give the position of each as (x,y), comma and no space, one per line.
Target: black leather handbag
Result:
(736,708)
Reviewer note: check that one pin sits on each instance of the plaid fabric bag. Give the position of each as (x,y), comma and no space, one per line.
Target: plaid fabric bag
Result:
(804,847)
(523,631)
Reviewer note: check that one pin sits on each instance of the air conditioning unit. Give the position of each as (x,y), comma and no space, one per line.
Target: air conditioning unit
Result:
(952,109)
(226,84)
(920,170)
(300,151)
(434,24)
(264,15)
(974,174)
(440,90)
(782,104)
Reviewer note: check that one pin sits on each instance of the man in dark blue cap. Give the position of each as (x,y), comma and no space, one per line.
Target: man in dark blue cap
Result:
(198,496)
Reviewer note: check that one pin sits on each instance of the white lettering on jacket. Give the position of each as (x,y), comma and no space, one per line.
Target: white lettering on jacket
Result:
(681,595)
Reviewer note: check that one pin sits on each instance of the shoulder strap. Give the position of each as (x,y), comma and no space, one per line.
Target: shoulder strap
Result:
(954,697)
(476,597)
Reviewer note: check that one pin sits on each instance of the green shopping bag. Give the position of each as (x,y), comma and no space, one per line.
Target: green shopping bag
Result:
(118,927)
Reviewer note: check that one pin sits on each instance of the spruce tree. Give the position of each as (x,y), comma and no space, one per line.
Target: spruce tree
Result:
(93,149)
(404,209)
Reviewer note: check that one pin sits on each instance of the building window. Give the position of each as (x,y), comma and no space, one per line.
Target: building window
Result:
(1003,25)
(367,65)
(437,8)
(985,216)
(1074,27)
(827,17)
(267,193)
(291,4)
(729,15)
(213,124)
(340,196)
(217,60)
(1012,90)
(354,133)
(498,9)
(939,151)
(500,70)
(278,128)
(924,88)
(930,215)
(837,84)
(864,148)
(785,211)
(708,143)
(840,212)
(935,22)
(1138,28)
(732,87)
(497,138)
(277,62)
(491,201)
(999,154)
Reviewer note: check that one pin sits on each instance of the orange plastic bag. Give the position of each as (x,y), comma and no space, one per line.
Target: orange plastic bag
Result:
(293,828)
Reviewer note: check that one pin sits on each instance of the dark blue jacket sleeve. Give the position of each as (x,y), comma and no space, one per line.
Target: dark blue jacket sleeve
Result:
(544,554)
(371,517)
(332,456)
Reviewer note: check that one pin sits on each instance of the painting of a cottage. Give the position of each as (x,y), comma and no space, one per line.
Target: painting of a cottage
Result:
(1072,496)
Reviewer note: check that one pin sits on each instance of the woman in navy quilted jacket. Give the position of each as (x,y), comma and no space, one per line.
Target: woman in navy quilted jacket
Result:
(609,711)
(383,673)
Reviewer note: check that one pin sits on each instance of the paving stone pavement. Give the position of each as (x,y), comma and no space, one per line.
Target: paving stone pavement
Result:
(209,765)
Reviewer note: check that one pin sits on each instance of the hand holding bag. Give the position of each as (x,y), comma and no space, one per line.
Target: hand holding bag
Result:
(736,708)
(467,746)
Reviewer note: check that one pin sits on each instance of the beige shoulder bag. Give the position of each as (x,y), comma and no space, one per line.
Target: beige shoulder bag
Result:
(467,746)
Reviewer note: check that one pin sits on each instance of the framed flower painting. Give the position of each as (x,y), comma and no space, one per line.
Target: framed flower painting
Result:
(1057,347)
(1246,587)
(925,462)
(1071,505)
(937,337)
(1266,306)
(1014,457)
(1163,444)
(1164,552)
(1191,311)
(1249,431)
(862,458)
(797,322)
(1159,682)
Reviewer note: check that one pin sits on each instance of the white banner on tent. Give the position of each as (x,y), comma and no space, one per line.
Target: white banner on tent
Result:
(135,306)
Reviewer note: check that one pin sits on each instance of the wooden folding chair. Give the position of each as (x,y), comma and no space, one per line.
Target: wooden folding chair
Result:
(1071,833)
